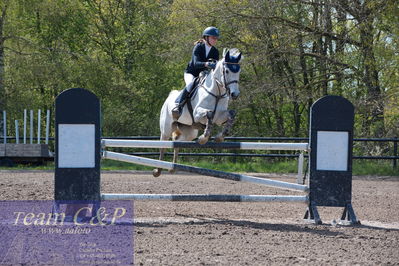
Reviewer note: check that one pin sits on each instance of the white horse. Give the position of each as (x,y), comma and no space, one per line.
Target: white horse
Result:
(209,105)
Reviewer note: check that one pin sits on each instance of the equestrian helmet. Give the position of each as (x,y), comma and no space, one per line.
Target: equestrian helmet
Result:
(211,31)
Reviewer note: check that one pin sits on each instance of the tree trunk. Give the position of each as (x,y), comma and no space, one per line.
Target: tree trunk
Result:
(374,99)
(305,79)
(278,73)
(129,30)
(2,70)
(339,50)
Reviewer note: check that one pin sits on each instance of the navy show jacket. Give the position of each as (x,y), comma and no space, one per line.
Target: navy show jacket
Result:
(199,58)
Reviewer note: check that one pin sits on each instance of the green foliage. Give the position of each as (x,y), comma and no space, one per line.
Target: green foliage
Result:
(131,53)
(253,165)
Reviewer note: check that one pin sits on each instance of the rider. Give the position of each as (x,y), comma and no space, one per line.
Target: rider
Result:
(203,57)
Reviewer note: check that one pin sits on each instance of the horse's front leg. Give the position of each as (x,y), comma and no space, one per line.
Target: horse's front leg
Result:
(208,129)
(228,125)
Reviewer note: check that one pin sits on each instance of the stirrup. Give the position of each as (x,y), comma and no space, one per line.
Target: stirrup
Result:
(176,112)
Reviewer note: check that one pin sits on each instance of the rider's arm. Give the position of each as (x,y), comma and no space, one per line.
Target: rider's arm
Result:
(198,57)
(216,54)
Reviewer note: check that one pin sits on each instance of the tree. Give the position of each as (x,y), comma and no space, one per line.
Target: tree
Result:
(131,53)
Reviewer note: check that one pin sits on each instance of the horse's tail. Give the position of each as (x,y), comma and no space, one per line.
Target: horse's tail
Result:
(165,119)
(166,125)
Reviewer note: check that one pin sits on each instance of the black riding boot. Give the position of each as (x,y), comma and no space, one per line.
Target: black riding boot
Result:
(180,101)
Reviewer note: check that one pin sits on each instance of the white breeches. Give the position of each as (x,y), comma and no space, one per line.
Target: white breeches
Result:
(188,78)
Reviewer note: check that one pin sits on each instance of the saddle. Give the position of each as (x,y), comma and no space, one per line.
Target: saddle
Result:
(198,81)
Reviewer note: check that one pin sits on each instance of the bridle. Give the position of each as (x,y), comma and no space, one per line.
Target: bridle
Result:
(225,84)
(221,84)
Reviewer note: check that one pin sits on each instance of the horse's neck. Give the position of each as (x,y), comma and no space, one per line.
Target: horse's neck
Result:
(211,82)
(210,88)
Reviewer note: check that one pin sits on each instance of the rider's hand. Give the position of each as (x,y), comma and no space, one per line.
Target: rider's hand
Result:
(211,65)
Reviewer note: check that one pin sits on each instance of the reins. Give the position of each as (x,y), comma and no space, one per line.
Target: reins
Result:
(219,85)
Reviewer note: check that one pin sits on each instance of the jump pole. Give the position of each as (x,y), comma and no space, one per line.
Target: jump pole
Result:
(78,144)
(202,171)
(205,197)
(121,143)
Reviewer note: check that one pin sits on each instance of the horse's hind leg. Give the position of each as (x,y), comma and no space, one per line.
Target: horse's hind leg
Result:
(228,125)
(175,155)
(157,171)
(175,136)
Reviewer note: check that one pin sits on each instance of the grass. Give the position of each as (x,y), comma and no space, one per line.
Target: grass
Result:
(48,166)
(108,165)
(254,166)
(360,167)
(374,167)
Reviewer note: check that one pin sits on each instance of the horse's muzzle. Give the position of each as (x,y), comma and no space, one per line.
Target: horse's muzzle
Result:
(234,95)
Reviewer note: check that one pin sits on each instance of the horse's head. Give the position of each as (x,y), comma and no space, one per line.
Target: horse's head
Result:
(231,72)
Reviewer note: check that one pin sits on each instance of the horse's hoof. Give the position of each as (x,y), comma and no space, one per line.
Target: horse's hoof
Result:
(156,172)
(202,140)
(219,138)
(171,171)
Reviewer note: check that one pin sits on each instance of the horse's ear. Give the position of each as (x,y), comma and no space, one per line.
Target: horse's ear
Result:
(227,56)
(225,50)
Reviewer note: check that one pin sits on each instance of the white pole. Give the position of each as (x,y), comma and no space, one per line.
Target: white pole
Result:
(25,126)
(16,132)
(300,168)
(220,174)
(31,126)
(177,144)
(47,125)
(5,126)
(38,125)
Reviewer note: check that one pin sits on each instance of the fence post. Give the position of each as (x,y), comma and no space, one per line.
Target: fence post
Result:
(5,126)
(47,126)
(395,151)
(39,112)
(31,126)
(16,132)
(299,178)
(25,116)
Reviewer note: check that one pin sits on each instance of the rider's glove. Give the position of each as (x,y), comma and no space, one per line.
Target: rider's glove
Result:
(211,65)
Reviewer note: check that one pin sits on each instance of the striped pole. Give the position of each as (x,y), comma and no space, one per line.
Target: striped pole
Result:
(202,171)
(213,145)
(206,197)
